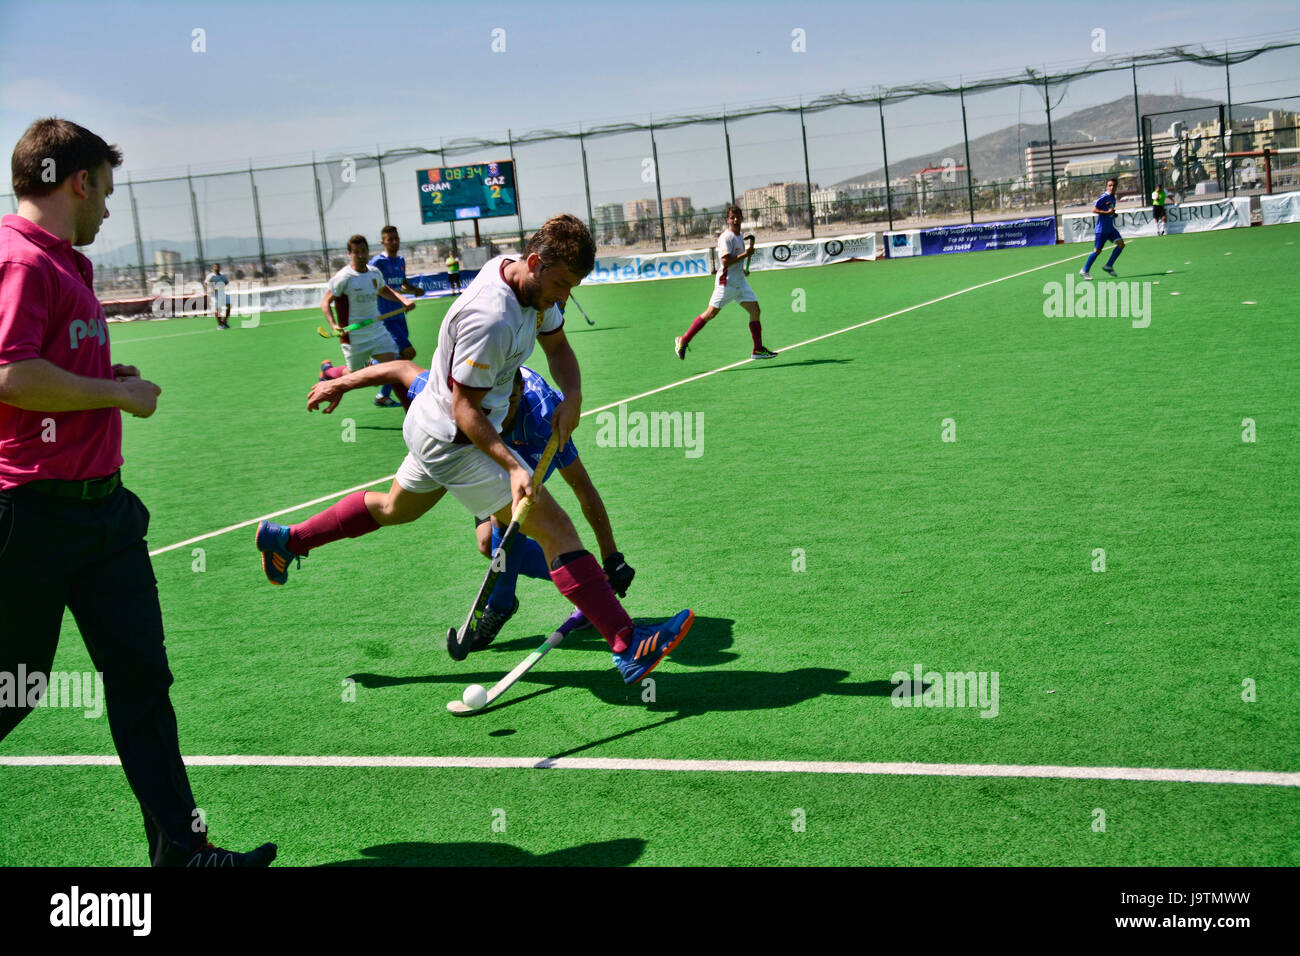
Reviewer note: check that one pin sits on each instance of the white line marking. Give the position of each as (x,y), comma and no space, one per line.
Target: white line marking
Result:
(1048,771)
(653,391)
(273,514)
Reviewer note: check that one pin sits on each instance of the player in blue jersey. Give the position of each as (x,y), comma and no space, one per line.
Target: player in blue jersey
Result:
(393,268)
(526,429)
(1104,208)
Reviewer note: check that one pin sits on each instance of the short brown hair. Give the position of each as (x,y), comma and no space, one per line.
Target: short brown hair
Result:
(738,210)
(386,230)
(72,148)
(358,240)
(566,240)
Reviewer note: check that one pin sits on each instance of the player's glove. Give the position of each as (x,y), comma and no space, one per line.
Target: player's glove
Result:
(619,572)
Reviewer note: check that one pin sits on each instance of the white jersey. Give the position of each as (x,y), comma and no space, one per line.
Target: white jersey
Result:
(730,244)
(362,290)
(484,338)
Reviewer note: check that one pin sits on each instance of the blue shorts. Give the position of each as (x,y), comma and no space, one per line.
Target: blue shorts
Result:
(401,335)
(1106,235)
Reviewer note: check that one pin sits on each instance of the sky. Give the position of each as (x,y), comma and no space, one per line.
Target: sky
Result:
(275,80)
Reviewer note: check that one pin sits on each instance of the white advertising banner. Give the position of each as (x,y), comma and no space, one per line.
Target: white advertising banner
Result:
(1284,207)
(700,262)
(1185,217)
(901,245)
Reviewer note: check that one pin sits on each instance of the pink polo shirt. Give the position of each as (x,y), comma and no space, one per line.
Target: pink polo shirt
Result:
(48,310)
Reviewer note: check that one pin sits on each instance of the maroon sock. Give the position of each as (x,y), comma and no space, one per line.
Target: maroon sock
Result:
(756,333)
(348,518)
(698,324)
(584,583)
(336,371)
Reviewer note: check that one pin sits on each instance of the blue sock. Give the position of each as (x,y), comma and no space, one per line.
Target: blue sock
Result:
(386,392)
(1087,266)
(527,558)
(1114,255)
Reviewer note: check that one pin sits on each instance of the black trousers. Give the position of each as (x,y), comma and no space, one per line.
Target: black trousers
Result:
(91,557)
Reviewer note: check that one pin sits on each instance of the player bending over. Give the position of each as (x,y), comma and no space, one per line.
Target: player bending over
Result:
(526,429)
(354,291)
(393,268)
(453,443)
(1104,207)
(732,287)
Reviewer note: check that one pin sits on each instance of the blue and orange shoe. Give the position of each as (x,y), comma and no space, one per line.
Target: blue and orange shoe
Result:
(273,541)
(650,644)
(325,366)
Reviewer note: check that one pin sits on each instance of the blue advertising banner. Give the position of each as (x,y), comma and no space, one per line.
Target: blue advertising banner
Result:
(988,235)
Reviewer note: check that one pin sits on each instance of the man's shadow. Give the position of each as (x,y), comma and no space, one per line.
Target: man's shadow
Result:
(607,853)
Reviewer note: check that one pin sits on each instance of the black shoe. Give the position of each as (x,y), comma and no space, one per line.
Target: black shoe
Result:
(490,624)
(211,855)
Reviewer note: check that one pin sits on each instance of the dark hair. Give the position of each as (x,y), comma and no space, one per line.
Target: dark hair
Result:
(737,209)
(564,239)
(386,230)
(357,240)
(70,147)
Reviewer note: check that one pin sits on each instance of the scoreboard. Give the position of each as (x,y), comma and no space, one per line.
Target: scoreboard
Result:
(481,191)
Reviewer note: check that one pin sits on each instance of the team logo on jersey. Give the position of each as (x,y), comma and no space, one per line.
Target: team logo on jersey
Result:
(492,169)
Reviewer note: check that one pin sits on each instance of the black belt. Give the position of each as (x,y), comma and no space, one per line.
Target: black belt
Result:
(89,490)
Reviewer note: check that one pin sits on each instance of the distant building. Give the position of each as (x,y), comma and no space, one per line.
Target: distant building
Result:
(1039,155)
(609,220)
(775,205)
(1100,165)
(166,260)
(640,209)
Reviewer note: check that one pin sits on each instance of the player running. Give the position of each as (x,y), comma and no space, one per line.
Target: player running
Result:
(393,267)
(451,433)
(1104,208)
(732,286)
(216,283)
(526,429)
(355,291)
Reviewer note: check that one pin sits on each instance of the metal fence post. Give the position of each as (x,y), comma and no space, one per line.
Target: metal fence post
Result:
(586,181)
(257,221)
(1051,148)
(1227,75)
(194,213)
(807,176)
(519,205)
(320,216)
(139,244)
(383,184)
(731,177)
(659,192)
(884,150)
(965,136)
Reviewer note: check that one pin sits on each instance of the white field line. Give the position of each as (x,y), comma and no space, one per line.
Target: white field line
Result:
(653,391)
(901,769)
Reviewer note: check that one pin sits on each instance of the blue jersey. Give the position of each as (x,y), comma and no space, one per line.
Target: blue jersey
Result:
(531,429)
(1105,223)
(393,268)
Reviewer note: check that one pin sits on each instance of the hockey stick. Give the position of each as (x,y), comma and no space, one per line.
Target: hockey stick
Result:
(581,309)
(750,240)
(459,642)
(460,708)
(352,327)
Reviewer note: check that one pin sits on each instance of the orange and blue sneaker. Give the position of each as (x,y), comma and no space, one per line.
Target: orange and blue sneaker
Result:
(650,644)
(325,366)
(273,541)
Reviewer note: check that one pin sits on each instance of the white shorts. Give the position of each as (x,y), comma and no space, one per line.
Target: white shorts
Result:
(473,479)
(732,292)
(374,339)
(218,299)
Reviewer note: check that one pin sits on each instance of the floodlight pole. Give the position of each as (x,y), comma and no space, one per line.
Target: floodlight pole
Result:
(519,202)
(889,194)
(257,221)
(965,136)
(659,192)
(139,245)
(383,184)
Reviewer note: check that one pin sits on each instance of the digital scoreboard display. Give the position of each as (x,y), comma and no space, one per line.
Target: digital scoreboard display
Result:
(481,191)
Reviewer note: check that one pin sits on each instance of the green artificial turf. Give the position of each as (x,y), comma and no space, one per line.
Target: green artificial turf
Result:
(826,536)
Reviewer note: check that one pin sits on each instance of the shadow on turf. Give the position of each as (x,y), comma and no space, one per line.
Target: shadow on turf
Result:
(607,853)
(755,365)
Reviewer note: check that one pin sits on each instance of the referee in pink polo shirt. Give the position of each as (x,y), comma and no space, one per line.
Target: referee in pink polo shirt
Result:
(71,535)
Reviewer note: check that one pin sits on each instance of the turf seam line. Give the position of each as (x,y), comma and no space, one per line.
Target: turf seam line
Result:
(624,401)
(906,769)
